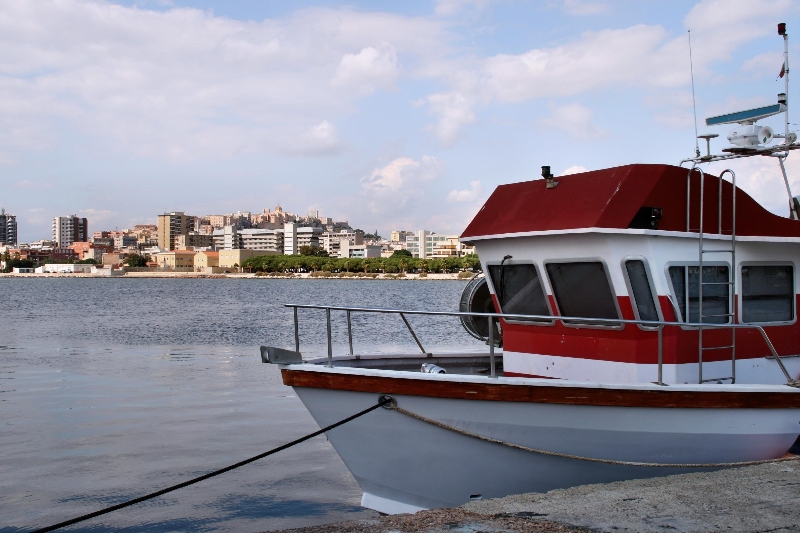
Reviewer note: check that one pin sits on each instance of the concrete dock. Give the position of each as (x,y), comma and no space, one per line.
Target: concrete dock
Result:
(763,498)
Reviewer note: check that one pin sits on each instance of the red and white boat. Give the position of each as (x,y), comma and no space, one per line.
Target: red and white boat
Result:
(648,321)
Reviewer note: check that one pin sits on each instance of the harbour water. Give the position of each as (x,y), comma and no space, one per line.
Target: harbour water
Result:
(113,388)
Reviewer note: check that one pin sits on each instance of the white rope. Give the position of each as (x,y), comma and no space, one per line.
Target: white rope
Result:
(393,405)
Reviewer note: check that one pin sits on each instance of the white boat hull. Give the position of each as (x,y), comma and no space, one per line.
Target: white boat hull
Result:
(405,465)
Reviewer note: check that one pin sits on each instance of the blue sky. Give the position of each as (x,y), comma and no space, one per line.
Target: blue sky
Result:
(392,115)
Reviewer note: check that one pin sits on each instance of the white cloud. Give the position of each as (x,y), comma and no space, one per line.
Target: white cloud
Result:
(453,7)
(762,179)
(184,84)
(640,56)
(574,169)
(467,195)
(675,118)
(576,120)
(454,110)
(369,69)
(97,217)
(389,191)
(764,64)
(402,173)
(320,139)
(585,7)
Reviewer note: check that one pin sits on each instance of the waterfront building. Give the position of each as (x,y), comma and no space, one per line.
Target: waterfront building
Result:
(172,225)
(64,268)
(8,228)
(69,229)
(176,260)
(234,258)
(205,259)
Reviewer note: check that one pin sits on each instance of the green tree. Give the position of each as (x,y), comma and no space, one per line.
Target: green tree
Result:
(18,263)
(136,261)
(314,251)
(402,253)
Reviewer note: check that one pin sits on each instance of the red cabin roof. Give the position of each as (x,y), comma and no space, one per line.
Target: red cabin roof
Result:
(611,198)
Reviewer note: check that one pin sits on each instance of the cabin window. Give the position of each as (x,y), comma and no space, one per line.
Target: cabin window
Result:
(582,289)
(767,293)
(716,293)
(643,302)
(519,289)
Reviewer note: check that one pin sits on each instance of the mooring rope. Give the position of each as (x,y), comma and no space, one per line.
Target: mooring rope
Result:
(381,402)
(392,404)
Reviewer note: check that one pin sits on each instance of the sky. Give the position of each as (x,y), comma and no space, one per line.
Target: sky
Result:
(391,115)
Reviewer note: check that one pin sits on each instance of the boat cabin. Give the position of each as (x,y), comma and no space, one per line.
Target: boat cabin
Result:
(624,244)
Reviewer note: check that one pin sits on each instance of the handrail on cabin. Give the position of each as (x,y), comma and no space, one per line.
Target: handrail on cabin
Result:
(657,325)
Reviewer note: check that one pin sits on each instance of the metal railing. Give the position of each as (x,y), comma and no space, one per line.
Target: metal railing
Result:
(656,325)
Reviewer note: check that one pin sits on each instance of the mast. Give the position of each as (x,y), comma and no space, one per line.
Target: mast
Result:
(785,70)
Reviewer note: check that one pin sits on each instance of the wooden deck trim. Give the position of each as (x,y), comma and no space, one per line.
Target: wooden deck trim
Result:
(543,393)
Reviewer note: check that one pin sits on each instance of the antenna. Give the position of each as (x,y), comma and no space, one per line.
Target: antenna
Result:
(694,104)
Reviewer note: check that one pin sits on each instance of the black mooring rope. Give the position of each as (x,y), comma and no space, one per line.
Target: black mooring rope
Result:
(381,402)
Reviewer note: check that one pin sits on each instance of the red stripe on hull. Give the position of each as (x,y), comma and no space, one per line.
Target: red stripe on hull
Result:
(544,393)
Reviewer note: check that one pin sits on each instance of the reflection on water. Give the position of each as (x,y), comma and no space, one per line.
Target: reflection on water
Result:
(110,389)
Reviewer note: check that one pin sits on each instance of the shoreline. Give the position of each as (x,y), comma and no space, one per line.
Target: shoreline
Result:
(747,499)
(245,275)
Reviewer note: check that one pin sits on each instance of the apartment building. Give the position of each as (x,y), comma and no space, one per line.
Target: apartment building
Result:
(67,230)
(8,229)
(171,226)
(194,240)
(125,241)
(400,236)
(331,241)
(429,245)
(295,237)
(359,251)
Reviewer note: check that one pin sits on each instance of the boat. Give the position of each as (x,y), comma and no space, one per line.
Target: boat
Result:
(639,321)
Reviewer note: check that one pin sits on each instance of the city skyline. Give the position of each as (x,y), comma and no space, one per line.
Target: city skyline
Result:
(389,116)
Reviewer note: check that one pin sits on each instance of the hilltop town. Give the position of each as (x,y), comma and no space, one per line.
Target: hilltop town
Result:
(234,242)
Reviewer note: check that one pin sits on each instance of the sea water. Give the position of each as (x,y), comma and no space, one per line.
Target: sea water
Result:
(113,388)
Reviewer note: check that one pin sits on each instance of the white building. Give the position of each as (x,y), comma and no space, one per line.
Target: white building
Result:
(331,241)
(261,239)
(65,268)
(67,230)
(429,245)
(295,237)
(359,251)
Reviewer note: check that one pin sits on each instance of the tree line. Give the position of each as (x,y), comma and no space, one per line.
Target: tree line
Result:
(389,265)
